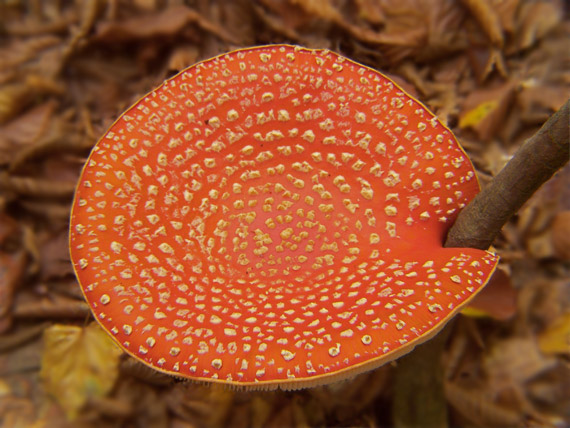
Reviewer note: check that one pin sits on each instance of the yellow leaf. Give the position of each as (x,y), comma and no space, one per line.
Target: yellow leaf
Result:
(474,116)
(78,363)
(556,338)
(474,313)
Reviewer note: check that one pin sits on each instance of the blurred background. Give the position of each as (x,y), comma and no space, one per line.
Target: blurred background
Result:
(492,70)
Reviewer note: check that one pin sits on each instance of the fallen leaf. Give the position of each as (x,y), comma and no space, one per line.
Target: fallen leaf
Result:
(541,98)
(561,235)
(538,229)
(514,361)
(28,126)
(551,390)
(147,5)
(556,338)
(484,61)
(324,9)
(35,187)
(535,20)
(506,11)
(542,300)
(13,99)
(486,16)
(9,231)
(182,57)
(479,408)
(54,256)
(28,305)
(78,363)
(476,115)
(486,109)
(168,22)
(328,12)
(497,300)
(18,51)
(12,270)
(496,157)
(15,411)
(371,11)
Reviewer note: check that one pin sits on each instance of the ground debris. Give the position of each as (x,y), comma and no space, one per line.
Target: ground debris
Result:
(492,70)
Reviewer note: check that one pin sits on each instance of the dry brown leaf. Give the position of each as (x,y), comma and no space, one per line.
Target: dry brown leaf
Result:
(420,28)
(545,99)
(31,306)
(54,256)
(39,188)
(288,19)
(541,301)
(514,361)
(495,62)
(535,20)
(275,23)
(27,127)
(486,15)
(497,300)
(444,26)
(450,70)
(537,238)
(238,19)
(182,57)
(560,235)
(110,407)
(18,51)
(506,11)
(168,22)
(20,336)
(552,390)
(410,72)
(323,9)
(485,110)
(479,408)
(12,269)
(147,5)
(13,99)
(9,231)
(16,412)
(370,11)
(54,212)
(496,157)
(78,363)
(536,218)
(208,404)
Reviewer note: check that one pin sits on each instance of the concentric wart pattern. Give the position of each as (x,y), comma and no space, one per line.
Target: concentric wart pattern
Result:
(274,217)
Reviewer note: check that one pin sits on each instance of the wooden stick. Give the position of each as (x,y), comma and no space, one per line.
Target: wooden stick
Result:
(419,396)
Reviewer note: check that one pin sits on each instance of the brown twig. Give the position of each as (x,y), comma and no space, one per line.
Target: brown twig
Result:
(419,394)
(535,162)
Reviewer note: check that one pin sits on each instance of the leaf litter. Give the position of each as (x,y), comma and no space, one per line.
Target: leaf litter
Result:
(493,70)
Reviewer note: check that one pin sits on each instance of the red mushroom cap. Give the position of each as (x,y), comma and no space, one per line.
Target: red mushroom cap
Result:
(274,217)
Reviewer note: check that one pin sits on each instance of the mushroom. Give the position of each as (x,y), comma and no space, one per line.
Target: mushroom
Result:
(274,217)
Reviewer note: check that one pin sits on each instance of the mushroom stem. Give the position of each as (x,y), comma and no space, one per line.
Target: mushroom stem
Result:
(419,398)
(534,163)
(419,393)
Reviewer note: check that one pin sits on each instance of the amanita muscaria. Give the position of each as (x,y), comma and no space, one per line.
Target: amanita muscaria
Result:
(274,217)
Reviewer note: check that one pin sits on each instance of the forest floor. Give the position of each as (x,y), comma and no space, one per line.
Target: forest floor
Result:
(492,70)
